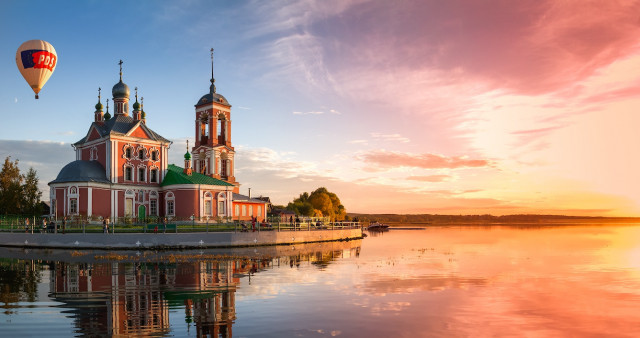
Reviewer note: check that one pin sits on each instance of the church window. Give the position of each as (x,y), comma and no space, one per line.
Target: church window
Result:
(237,210)
(127,153)
(141,174)
(251,210)
(73,206)
(221,208)
(170,203)
(141,154)
(223,171)
(207,208)
(73,190)
(153,207)
(93,154)
(170,208)
(154,176)
(244,210)
(222,204)
(259,211)
(154,155)
(128,173)
(208,204)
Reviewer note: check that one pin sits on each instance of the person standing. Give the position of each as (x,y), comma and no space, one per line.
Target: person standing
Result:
(105,226)
(26,225)
(44,225)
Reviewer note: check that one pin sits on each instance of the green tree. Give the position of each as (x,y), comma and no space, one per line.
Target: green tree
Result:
(320,202)
(31,194)
(10,187)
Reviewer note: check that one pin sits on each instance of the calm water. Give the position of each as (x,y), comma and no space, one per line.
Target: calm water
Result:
(442,281)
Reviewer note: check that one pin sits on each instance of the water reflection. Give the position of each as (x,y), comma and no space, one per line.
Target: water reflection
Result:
(135,294)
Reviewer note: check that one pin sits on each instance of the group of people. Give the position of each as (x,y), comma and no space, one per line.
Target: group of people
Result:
(254,222)
(46,226)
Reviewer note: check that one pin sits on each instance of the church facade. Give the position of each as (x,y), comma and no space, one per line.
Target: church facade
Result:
(122,171)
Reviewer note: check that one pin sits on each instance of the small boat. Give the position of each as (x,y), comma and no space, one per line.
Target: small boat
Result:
(377,226)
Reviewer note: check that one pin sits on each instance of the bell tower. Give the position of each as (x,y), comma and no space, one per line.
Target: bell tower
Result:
(213,154)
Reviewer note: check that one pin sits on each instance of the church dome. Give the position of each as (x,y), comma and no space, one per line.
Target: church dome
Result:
(120,90)
(82,171)
(213,97)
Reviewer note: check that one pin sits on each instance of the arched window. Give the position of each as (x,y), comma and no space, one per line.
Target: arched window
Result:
(154,155)
(128,152)
(153,175)
(142,173)
(128,173)
(153,203)
(222,128)
(170,204)
(222,204)
(208,204)
(73,201)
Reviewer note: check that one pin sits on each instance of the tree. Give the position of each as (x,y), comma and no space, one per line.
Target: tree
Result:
(10,187)
(31,194)
(320,202)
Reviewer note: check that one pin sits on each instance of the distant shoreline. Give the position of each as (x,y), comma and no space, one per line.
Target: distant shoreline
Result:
(431,219)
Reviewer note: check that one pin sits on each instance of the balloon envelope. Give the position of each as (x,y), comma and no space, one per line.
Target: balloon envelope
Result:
(36,60)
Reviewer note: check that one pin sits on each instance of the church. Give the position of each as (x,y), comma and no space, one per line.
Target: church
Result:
(122,172)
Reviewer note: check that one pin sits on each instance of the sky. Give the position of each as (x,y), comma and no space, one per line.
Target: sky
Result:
(426,106)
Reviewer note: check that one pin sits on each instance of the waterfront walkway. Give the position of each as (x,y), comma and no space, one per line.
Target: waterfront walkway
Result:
(172,236)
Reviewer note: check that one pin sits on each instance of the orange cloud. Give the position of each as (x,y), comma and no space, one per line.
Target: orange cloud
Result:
(390,159)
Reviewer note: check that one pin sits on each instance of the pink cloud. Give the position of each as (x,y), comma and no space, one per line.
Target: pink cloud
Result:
(426,161)
(529,47)
(430,178)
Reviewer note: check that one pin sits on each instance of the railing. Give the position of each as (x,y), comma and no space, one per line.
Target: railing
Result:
(18,225)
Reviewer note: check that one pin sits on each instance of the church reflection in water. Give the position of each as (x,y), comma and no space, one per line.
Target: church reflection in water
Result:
(135,298)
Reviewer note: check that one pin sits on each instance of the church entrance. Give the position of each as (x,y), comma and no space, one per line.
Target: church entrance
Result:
(142,213)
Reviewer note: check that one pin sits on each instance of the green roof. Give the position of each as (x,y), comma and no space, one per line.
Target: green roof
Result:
(176,175)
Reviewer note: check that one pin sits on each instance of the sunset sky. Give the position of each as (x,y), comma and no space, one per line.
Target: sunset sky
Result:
(447,107)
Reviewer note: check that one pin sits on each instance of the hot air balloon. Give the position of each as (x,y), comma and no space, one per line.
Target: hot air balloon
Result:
(36,60)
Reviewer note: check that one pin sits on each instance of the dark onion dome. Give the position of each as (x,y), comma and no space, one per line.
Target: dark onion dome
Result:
(120,90)
(82,171)
(187,156)
(136,105)
(99,106)
(107,116)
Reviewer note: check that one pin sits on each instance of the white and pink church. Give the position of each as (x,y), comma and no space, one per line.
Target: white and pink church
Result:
(122,171)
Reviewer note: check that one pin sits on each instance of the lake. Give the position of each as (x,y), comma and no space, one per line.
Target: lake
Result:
(457,281)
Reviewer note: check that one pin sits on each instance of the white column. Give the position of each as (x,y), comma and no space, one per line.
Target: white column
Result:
(89,201)
(107,160)
(212,161)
